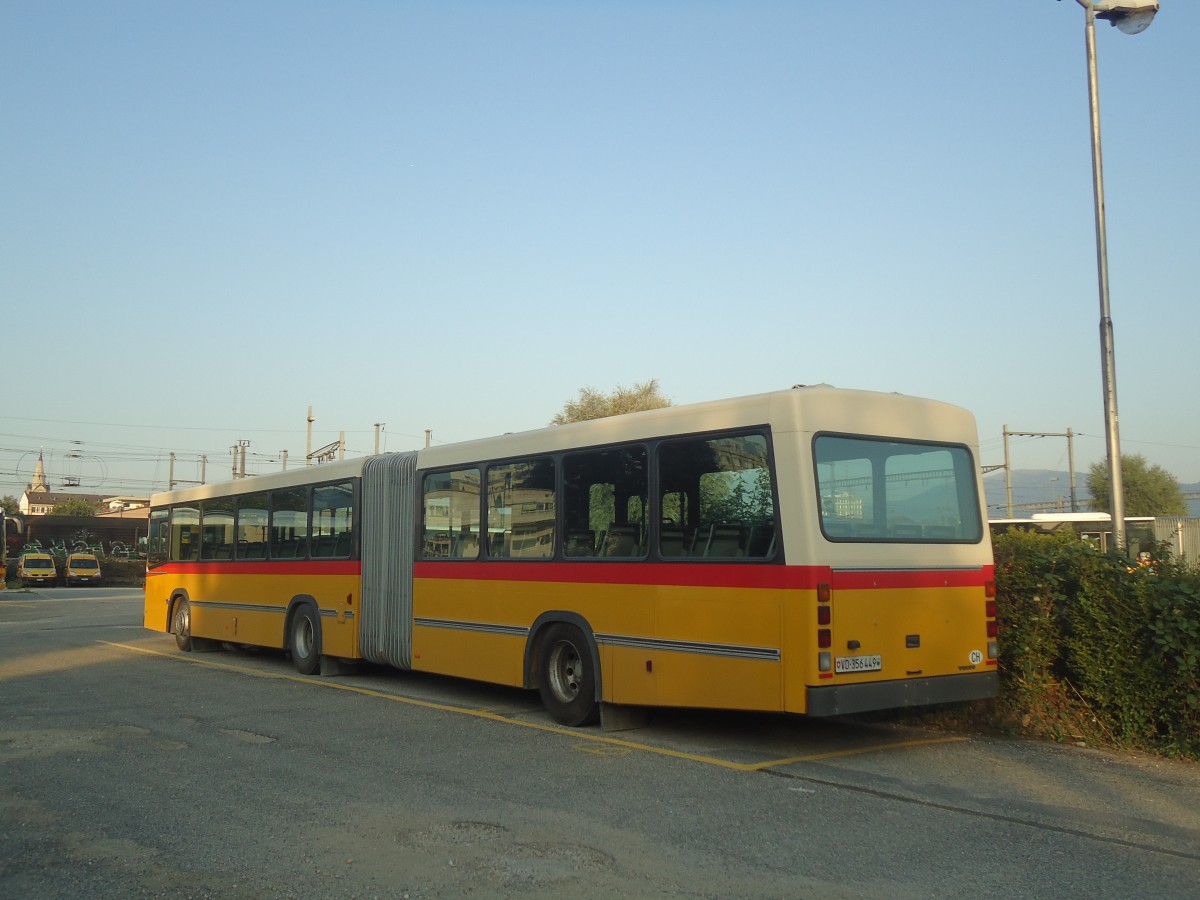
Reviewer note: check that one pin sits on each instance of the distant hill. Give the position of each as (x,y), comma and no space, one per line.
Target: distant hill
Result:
(1051,491)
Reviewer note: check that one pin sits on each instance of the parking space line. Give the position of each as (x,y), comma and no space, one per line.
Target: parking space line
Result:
(554,729)
(857,751)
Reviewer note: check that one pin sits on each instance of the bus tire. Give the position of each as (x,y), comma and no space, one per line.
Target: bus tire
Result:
(566,680)
(181,624)
(304,640)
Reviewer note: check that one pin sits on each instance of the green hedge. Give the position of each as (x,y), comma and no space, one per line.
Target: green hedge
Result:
(1096,648)
(123,572)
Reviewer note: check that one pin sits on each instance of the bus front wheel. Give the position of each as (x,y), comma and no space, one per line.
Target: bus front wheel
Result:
(566,679)
(305,641)
(181,624)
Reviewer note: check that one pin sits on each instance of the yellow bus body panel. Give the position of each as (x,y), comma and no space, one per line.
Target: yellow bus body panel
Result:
(937,621)
(252,608)
(690,662)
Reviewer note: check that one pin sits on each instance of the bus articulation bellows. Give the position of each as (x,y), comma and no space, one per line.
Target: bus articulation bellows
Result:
(816,550)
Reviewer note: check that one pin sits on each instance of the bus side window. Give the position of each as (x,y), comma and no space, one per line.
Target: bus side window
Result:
(216,528)
(520,509)
(159,538)
(718,499)
(450,526)
(604,503)
(725,540)
(185,533)
(672,541)
(333,521)
(252,526)
(289,523)
(580,543)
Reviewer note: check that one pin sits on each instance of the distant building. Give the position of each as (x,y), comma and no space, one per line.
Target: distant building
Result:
(39,500)
(125,507)
(42,503)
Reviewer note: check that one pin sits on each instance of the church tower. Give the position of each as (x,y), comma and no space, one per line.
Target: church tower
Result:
(39,477)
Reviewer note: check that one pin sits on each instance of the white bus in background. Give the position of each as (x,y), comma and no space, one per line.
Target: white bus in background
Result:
(1142,533)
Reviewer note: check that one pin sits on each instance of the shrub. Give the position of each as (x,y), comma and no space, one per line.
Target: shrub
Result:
(1174,631)
(1037,581)
(123,571)
(1095,647)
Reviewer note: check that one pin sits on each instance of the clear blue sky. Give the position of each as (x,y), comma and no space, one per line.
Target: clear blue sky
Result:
(454,215)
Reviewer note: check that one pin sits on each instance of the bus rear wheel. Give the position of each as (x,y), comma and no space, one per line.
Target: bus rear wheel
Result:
(566,679)
(181,624)
(305,641)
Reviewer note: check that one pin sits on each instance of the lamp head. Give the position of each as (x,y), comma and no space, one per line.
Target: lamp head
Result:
(1131,16)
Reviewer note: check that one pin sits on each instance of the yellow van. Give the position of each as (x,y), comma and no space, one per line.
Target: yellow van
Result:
(36,568)
(82,568)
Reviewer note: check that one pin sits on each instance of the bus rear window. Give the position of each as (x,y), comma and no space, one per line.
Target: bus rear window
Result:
(877,490)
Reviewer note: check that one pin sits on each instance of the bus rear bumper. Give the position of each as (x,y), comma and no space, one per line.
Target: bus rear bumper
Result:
(842,699)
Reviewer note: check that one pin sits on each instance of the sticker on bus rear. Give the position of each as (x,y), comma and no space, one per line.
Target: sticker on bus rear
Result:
(845,664)
(976,657)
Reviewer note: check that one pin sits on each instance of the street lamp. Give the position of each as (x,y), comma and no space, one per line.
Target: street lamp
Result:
(1131,17)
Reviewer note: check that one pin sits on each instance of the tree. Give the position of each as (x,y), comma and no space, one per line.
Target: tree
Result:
(10,504)
(1149,490)
(738,497)
(594,404)
(76,506)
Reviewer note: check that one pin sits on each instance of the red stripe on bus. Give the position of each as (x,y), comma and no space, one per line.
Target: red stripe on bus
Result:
(278,567)
(715,575)
(750,576)
(919,578)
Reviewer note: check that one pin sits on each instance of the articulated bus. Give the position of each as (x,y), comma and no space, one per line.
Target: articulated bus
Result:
(815,550)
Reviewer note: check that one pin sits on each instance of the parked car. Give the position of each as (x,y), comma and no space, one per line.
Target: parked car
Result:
(82,568)
(36,568)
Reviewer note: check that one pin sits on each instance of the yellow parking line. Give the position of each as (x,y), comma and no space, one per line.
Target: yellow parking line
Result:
(856,751)
(554,729)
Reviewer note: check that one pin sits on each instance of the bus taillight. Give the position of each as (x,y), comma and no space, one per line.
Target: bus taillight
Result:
(989,608)
(824,633)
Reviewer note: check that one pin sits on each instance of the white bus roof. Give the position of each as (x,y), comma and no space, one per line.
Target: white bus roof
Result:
(803,409)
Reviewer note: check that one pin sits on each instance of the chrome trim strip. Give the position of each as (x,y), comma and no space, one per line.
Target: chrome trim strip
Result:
(512,630)
(732,651)
(764,654)
(240,607)
(254,607)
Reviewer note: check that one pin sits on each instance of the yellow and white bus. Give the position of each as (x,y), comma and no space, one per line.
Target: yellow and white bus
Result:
(814,550)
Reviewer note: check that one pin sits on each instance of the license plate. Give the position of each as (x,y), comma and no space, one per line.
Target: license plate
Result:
(844,664)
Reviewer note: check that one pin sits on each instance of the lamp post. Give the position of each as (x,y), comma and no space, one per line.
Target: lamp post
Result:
(1131,17)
